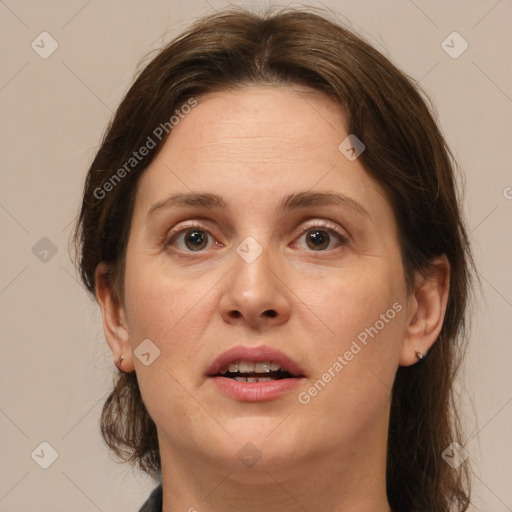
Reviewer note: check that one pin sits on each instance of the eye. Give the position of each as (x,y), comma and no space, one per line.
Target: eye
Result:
(192,238)
(320,238)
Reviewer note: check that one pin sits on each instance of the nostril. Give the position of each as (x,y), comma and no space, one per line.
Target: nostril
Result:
(236,314)
(272,313)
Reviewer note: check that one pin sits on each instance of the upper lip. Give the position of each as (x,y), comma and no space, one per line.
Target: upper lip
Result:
(254,354)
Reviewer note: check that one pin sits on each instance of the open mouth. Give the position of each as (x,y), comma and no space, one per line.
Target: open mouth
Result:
(255,374)
(261,371)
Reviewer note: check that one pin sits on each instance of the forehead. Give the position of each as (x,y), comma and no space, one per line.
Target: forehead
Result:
(264,141)
(278,122)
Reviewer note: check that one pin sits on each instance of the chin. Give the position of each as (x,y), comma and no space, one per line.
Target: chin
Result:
(264,444)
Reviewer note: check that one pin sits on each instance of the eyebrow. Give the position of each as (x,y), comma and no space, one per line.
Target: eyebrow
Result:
(292,202)
(191,199)
(306,199)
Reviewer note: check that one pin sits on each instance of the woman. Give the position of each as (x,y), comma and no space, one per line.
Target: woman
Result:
(272,232)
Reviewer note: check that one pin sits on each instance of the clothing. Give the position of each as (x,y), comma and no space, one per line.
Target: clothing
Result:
(154,502)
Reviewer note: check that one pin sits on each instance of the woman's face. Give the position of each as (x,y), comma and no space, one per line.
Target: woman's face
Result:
(255,239)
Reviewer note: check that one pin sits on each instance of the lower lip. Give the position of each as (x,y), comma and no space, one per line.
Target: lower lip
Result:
(255,391)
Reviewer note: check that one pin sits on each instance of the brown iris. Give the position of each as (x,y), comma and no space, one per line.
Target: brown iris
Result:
(196,240)
(318,239)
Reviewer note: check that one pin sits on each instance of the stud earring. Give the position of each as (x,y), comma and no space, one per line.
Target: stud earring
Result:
(119,362)
(420,356)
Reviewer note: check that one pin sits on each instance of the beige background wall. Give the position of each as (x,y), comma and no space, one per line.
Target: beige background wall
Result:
(56,368)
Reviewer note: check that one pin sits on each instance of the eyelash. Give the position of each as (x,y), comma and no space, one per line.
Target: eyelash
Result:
(329,227)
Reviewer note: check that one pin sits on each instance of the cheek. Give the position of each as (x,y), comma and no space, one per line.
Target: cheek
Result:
(171,313)
(166,309)
(355,299)
(356,363)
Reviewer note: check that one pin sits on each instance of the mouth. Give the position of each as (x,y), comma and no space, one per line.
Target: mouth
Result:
(254,373)
(246,364)
(250,371)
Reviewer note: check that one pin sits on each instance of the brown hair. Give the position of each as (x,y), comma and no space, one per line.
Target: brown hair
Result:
(405,153)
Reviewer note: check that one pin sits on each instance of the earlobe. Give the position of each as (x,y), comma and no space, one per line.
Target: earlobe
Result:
(426,308)
(114,324)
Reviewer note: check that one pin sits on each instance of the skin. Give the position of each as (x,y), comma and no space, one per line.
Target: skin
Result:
(254,147)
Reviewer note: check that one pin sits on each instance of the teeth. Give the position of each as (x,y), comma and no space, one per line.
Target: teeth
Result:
(253,379)
(251,367)
(262,367)
(242,367)
(246,367)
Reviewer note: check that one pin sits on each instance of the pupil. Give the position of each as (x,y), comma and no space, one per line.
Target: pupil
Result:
(318,239)
(195,240)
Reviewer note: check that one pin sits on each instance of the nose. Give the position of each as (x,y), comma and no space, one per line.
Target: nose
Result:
(254,294)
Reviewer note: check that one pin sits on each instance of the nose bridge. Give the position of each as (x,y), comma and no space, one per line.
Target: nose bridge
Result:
(254,271)
(254,292)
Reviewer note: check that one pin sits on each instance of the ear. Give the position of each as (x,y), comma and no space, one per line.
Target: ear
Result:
(114,320)
(426,309)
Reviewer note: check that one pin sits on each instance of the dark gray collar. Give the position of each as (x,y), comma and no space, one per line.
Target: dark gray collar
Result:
(154,502)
